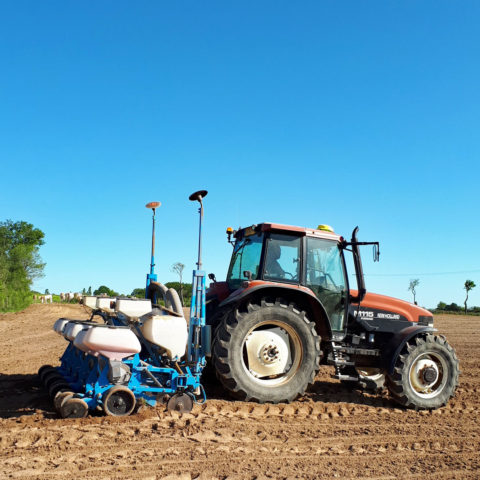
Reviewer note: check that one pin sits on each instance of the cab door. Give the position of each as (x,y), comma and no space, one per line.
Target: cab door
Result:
(325,276)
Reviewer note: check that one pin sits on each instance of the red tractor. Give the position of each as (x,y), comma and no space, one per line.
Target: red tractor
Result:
(287,307)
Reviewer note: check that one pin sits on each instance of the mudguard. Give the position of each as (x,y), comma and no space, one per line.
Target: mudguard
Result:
(275,290)
(393,348)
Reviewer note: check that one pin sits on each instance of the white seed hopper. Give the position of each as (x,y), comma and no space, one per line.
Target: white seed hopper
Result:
(112,342)
(133,307)
(168,332)
(59,325)
(72,329)
(90,301)
(105,303)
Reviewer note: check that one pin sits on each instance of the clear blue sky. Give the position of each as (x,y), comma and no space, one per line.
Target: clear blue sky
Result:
(345,113)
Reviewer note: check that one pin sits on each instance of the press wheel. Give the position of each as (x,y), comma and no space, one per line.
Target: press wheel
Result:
(59,398)
(118,401)
(181,402)
(74,408)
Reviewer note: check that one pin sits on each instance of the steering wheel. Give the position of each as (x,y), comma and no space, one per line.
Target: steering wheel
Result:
(293,277)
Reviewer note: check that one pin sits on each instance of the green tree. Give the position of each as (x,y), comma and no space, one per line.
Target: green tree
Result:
(187,287)
(89,291)
(105,290)
(138,293)
(178,268)
(412,288)
(469,284)
(453,307)
(20,263)
(441,306)
(47,291)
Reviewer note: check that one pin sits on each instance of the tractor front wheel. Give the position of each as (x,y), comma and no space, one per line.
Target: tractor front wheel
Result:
(425,375)
(270,352)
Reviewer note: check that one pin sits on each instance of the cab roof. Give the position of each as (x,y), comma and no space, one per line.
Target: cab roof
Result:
(301,231)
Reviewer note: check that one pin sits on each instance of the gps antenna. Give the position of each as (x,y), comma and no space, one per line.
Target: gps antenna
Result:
(152,276)
(197,197)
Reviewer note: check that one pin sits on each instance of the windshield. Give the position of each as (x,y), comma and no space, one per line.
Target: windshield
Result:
(246,256)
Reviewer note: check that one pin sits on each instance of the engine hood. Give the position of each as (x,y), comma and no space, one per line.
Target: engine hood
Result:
(389,307)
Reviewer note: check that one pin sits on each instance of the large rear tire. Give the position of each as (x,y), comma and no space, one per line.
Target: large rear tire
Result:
(269,353)
(425,375)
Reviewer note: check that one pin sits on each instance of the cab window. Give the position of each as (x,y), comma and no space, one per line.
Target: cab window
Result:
(282,258)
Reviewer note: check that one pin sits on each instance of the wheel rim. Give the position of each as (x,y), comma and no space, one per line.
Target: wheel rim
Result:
(272,353)
(428,375)
(372,374)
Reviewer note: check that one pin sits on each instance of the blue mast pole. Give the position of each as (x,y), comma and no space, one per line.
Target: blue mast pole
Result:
(152,277)
(197,308)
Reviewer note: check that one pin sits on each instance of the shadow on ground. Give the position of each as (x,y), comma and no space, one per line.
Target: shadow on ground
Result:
(23,395)
(321,391)
(332,392)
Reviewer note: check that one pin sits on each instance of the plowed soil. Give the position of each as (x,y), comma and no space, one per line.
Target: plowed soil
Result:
(332,432)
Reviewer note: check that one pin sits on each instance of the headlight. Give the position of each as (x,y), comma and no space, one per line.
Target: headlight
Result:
(425,320)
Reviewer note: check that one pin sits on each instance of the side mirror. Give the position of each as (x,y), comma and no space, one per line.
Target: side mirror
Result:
(248,275)
(211,276)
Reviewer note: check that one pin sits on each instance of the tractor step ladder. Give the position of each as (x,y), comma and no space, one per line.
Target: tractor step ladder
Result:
(342,361)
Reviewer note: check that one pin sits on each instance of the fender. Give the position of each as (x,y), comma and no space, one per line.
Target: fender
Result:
(279,290)
(397,342)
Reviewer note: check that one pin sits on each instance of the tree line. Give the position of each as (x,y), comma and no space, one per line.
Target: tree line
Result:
(20,263)
(442,306)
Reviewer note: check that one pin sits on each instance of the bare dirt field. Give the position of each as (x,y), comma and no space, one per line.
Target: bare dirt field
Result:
(331,432)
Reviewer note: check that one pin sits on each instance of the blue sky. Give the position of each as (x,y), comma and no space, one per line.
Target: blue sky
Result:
(345,113)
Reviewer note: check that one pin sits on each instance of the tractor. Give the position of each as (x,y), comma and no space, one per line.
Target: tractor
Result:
(286,308)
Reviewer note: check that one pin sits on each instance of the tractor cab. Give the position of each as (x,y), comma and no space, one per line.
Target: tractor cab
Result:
(294,256)
(309,260)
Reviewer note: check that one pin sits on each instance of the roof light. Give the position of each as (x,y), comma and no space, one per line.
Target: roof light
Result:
(229,230)
(325,228)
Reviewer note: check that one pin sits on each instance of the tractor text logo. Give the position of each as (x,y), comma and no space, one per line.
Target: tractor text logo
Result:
(390,316)
(364,314)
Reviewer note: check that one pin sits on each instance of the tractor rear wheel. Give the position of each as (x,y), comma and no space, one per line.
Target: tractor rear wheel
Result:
(268,353)
(425,375)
